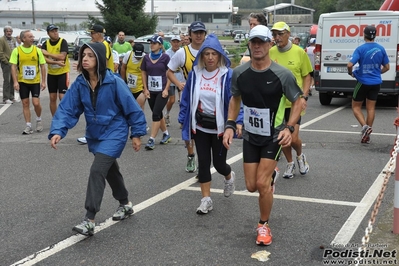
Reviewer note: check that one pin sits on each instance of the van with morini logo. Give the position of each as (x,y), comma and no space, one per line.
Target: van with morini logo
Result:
(338,35)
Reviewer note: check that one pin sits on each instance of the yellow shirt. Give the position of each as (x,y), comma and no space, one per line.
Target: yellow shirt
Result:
(133,74)
(296,60)
(54,69)
(28,61)
(109,56)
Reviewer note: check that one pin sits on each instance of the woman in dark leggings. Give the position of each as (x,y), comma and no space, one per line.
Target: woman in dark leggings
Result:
(156,87)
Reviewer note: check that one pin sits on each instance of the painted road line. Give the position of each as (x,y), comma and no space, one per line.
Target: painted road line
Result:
(345,132)
(4,108)
(323,116)
(285,197)
(53,249)
(349,228)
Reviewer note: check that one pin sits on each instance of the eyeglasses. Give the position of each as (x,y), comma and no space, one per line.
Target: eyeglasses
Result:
(278,33)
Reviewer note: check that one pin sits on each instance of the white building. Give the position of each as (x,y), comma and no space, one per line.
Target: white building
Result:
(216,14)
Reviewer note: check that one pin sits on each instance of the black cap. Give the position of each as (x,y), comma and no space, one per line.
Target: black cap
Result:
(138,50)
(370,32)
(51,27)
(97,28)
(197,26)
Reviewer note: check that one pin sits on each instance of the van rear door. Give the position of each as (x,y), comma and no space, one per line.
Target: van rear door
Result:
(338,36)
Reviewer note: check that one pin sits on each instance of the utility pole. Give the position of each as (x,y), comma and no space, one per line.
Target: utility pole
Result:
(33,14)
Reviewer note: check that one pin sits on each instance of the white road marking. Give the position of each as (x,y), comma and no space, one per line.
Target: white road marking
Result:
(349,228)
(345,132)
(4,108)
(285,197)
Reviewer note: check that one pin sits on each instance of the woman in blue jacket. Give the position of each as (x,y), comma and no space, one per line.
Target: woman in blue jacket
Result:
(110,110)
(203,113)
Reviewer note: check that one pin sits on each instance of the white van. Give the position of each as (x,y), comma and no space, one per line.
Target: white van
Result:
(337,37)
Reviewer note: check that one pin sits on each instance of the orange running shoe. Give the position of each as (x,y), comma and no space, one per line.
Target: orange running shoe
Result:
(264,235)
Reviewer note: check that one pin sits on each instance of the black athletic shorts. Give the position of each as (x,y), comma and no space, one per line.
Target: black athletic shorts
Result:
(253,153)
(287,116)
(363,91)
(25,89)
(58,83)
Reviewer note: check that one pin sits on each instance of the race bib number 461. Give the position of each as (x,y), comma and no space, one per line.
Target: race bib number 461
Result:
(257,120)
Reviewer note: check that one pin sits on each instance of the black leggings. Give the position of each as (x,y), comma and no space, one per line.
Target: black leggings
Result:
(206,143)
(157,103)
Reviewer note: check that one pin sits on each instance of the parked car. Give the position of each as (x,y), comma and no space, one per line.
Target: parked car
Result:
(79,41)
(227,32)
(41,40)
(239,37)
(235,32)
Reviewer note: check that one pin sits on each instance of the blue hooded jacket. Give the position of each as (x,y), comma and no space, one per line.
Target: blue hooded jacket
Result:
(187,104)
(109,111)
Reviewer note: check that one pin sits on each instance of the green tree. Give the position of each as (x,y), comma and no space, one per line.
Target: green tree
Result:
(127,16)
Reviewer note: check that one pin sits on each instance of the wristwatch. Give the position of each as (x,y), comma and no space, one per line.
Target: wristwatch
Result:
(305,97)
(290,128)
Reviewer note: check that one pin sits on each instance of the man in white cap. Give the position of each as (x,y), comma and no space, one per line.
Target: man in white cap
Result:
(175,42)
(294,58)
(263,86)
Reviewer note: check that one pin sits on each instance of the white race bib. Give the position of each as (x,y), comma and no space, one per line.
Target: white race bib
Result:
(154,83)
(257,120)
(131,81)
(29,72)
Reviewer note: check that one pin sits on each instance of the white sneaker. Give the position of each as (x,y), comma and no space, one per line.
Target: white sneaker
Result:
(206,206)
(39,126)
(229,186)
(289,171)
(28,130)
(8,102)
(302,164)
(82,140)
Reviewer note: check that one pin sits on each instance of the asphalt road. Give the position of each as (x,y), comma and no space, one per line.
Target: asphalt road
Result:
(43,190)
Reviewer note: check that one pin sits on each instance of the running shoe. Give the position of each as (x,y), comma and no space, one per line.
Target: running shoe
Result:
(82,140)
(86,227)
(8,101)
(150,145)
(229,186)
(366,131)
(302,164)
(206,206)
(264,235)
(28,130)
(165,139)
(123,212)
(275,175)
(289,171)
(39,126)
(191,165)
(167,120)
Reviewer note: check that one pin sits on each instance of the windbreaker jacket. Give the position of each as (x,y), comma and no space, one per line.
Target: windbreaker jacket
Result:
(188,106)
(108,116)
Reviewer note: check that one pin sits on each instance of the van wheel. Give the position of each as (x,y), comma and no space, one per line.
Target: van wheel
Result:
(325,99)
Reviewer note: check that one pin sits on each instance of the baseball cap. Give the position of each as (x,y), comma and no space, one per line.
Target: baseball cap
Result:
(97,28)
(370,31)
(108,39)
(262,32)
(312,40)
(196,26)
(138,50)
(280,26)
(175,37)
(51,27)
(156,39)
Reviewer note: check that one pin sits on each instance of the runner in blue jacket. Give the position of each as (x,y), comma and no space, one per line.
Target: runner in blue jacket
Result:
(109,109)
